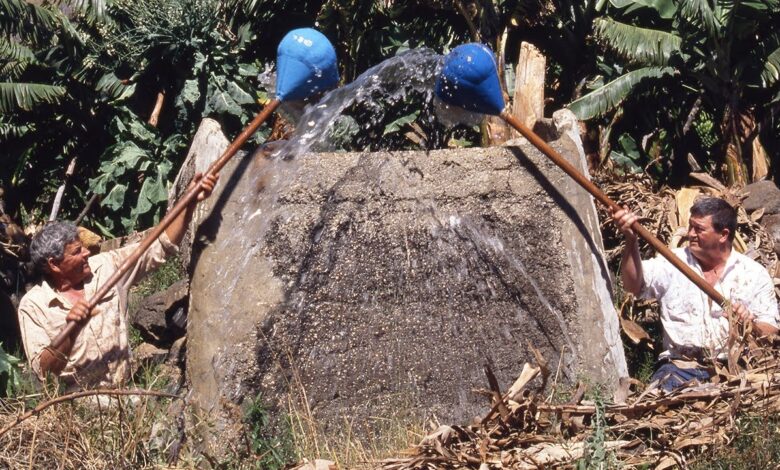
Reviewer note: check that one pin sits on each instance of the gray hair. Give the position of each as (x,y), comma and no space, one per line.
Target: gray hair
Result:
(50,242)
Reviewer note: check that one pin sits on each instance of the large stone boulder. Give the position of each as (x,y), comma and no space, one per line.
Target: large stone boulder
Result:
(161,317)
(355,285)
(762,195)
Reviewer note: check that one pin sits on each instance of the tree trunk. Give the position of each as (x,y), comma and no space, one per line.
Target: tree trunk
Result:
(528,100)
(736,171)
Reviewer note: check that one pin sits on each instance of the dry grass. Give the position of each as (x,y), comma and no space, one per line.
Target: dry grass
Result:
(153,432)
(352,447)
(97,432)
(110,432)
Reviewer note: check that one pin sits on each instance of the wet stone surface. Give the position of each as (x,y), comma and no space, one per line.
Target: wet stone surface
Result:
(381,284)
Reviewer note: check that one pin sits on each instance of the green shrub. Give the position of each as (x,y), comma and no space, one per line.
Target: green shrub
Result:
(9,373)
(273,451)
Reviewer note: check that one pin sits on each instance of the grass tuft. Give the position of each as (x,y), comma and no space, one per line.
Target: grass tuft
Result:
(755,445)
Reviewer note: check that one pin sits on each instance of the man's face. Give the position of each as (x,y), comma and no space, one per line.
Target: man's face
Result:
(74,266)
(702,236)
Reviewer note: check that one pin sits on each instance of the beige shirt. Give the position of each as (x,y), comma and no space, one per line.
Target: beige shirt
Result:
(101,354)
(693,324)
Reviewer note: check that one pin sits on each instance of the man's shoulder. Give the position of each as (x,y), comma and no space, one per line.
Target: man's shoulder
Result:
(749,264)
(38,296)
(101,258)
(681,253)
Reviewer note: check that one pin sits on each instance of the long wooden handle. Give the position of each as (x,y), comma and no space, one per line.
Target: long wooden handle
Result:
(570,170)
(180,206)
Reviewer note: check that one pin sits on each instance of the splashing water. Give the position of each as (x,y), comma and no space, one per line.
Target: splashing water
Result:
(330,125)
(394,81)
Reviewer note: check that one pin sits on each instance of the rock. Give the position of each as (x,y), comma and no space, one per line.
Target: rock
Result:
(176,355)
(380,283)
(147,354)
(207,146)
(772,225)
(168,372)
(161,317)
(762,194)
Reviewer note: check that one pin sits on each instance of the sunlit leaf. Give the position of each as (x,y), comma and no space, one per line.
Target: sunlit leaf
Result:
(153,192)
(771,73)
(9,372)
(115,199)
(112,87)
(26,96)
(665,8)
(639,45)
(399,123)
(700,12)
(239,95)
(608,97)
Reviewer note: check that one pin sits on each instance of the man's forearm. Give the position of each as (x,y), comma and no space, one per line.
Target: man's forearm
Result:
(53,360)
(764,329)
(631,267)
(178,227)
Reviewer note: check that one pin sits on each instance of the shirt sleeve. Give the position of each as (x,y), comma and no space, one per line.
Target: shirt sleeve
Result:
(655,278)
(761,300)
(34,335)
(152,258)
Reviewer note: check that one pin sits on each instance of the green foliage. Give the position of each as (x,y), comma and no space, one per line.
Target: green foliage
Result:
(638,45)
(132,178)
(611,95)
(721,55)
(150,376)
(9,373)
(134,335)
(85,85)
(272,451)
(68,82)
(771,73)
(26,96)
(597,456)
(365,31)
(161,278)
(30,22)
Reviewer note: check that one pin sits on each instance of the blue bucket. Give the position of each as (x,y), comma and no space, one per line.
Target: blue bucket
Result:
(306,64)
(469,80)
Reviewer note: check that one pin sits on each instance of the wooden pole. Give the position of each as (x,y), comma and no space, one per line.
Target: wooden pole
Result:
(188,198)
(570,170)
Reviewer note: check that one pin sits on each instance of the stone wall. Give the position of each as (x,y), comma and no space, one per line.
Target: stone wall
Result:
(375,283)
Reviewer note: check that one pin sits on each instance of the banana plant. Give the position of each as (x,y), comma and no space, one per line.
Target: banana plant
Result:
(70,70)
(723,56)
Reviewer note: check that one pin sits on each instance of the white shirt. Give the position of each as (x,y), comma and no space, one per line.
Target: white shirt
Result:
(101,354)
(689,317)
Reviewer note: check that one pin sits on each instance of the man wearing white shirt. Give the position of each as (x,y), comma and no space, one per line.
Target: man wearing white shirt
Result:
(695,328)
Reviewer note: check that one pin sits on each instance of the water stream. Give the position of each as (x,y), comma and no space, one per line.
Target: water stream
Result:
(353,117)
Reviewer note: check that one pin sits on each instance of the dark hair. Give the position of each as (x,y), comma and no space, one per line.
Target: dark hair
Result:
(50,242)
(723,215)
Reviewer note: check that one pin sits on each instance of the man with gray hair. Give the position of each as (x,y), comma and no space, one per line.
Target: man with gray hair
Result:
(695,329)
(97,353)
